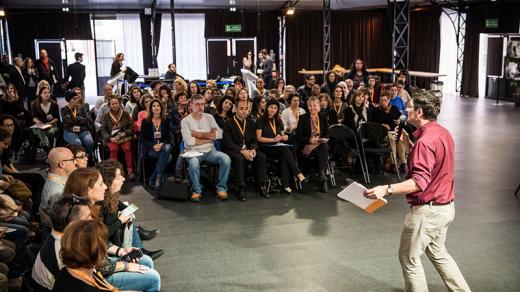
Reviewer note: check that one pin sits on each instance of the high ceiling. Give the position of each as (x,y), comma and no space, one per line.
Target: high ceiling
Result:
(189,4)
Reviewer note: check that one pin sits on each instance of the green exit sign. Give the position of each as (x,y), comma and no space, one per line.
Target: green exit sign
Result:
(233,27)
(492,23)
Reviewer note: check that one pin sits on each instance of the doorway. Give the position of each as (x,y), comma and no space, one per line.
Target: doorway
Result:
(224,55)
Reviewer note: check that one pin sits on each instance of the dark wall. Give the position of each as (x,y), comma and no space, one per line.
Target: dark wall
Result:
(27,26)
(508,22)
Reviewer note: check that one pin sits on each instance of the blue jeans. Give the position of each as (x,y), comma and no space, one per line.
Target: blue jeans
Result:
(150,281)
(163,158)
(82,138)
(136,239)
(19,237)
(214,157)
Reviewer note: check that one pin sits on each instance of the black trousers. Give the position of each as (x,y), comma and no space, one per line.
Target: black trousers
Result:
(288,162)
(321,154)
(239,163)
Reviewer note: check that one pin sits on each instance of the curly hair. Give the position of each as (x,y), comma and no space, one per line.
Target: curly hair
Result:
(108,169)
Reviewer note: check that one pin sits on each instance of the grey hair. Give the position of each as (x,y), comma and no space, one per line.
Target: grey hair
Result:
(429,103)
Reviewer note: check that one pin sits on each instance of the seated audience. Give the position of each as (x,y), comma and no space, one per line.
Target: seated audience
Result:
(269,133)
(260,88)
(155,141)
(224,111)
(396,100)
(291,114)
(132,105)
(61,163)
(210,104)
(273,94)
(305,91)
(117,132)
(145,105)
(239,142)
(83,248)
(388,115)
(330,83)
(327,109)
(312,137)
(12,104)
(166,96)
(179,85)
(230,92)
(80,155)
(122,231)
(107,92)
(194,88)
(403,93)
(339,103)
(47,266)
(199,132)
(258,110)
(374,90)
(45,113)
(10,123)
(280,86)
(76,122)
(358,111)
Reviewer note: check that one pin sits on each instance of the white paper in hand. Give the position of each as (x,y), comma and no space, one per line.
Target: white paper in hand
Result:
(190,154)
(354,193)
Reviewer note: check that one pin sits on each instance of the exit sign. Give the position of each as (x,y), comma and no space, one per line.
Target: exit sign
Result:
(233,27)
(492,23)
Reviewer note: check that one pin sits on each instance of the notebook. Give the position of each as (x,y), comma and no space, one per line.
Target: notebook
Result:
(354,193)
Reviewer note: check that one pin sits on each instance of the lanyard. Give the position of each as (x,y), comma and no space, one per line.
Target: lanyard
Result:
(157,126)
(116,121)
(273,126)
(338,108)
(240,128)
(94,280)
(56,179)
(74,112)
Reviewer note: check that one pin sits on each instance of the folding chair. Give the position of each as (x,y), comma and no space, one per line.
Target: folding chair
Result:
(375,136)
(341,132)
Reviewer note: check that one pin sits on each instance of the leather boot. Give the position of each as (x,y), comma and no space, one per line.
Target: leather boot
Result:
(324,182)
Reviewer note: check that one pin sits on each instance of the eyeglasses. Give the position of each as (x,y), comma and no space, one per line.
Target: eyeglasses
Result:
(9,126)
(65,160)
(84,156)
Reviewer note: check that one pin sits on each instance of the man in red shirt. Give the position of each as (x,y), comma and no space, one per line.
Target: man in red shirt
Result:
(429,191)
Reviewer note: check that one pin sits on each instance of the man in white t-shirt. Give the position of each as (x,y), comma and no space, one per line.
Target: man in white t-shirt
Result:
(199,132)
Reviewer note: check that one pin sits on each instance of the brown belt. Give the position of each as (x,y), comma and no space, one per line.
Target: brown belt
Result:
(432,203)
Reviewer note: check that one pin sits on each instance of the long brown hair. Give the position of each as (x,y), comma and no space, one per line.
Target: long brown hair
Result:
(84,244)
(108,169)
(80,180)
(163,109)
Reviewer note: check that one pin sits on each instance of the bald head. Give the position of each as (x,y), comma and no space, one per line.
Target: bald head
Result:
(61,161)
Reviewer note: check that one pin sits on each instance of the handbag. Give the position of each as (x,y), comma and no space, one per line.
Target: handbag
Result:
(19,190)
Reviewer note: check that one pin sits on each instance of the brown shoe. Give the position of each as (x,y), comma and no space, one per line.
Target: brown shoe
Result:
(15,284)
(222,196)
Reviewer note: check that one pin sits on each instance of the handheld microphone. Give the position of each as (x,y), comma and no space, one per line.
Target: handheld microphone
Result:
(402,123)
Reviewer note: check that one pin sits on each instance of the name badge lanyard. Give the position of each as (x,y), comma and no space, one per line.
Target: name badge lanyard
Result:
(338,108)
(242,131)
(116,121)
(273,126)
(157,134)
(317,125)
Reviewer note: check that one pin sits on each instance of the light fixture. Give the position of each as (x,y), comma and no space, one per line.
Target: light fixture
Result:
(2,12)
(290,10)
(65,9)
(232,9)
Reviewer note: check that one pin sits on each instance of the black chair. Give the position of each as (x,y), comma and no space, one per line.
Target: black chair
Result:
(374,140)
(340,132)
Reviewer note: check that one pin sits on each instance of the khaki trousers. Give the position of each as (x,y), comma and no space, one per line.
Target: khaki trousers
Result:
(425,230)
(403,148)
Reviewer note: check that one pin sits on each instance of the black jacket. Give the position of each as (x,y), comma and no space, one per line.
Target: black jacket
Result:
(232,137)
(16,78)
(304,130)
(46,74)
(147,134)
(77,73)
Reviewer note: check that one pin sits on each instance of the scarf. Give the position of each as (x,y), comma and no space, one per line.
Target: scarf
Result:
(45,62)
(360,113)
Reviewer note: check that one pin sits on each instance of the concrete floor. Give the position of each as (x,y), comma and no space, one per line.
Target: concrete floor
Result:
(315,242)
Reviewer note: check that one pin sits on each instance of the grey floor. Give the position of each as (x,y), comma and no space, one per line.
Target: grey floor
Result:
(315,242)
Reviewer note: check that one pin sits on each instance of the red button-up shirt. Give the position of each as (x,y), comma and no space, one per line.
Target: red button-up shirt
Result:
(431,165)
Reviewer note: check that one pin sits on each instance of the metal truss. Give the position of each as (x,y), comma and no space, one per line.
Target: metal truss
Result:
(456,12)
(326,37)
(400,34)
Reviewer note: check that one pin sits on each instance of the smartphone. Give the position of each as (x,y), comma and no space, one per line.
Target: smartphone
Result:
(131,256)
(129,210)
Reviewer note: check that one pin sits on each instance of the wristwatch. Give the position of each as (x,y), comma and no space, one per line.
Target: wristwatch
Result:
(389,189)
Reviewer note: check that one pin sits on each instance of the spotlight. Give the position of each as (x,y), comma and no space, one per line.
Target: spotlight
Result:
(2,12)
(65,9)
(290,10)
(232,9)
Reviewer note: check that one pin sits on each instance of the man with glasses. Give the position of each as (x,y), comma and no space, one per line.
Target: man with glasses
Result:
(305,91)
(66,209)
(199,132)
(62,162)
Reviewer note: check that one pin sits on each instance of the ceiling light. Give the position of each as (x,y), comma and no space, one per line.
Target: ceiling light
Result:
(65,9)
(232,9)
(290,10)
(2,12)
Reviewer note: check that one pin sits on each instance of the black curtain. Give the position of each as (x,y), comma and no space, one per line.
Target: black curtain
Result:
(304,47)
(361,34)
(424,43)
(508,22)
(25,27)
(264,26)
(146,38)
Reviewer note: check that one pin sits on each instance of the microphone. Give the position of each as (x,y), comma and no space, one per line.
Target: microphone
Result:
(402,123)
